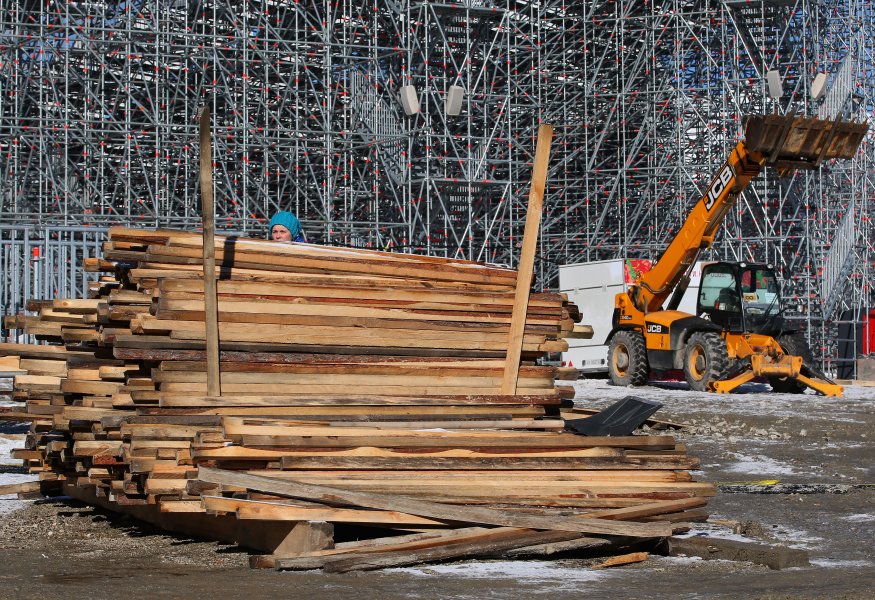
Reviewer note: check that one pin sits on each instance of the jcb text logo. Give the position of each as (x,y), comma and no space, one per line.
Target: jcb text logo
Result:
(718,186)
(654,328)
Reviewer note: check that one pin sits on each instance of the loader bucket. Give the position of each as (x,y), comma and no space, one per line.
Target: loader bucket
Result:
(791,142)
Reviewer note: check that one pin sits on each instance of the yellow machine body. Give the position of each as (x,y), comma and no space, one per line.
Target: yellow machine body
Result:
(785,143)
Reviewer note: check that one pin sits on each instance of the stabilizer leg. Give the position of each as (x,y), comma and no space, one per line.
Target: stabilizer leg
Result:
(827,388)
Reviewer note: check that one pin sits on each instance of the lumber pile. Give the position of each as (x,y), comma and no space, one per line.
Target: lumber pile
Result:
(360,389)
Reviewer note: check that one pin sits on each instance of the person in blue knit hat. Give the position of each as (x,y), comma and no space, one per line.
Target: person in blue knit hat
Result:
(285,227)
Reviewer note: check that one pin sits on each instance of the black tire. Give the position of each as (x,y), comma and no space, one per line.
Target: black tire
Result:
(706,359)
(627,359)
(793,344)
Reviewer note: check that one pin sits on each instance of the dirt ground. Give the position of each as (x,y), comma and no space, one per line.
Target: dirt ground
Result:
(819,450)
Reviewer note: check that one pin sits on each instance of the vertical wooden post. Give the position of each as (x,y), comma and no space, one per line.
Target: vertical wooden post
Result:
(527,260)
(211,301)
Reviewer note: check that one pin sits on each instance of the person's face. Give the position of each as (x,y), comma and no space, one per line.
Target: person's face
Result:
(280,234)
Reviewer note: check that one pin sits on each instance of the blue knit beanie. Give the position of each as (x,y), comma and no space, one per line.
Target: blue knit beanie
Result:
(287,220)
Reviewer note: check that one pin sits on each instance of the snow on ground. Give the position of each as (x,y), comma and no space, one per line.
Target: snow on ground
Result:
(11,471)
(763,466)
(839,564)
(750,399)
(859,518)
(550,576)
(10,502)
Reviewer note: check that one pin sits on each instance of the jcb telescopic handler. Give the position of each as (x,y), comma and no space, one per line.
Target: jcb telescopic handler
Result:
(738,332)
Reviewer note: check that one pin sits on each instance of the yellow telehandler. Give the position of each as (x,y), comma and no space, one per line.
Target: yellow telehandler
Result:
(738,332)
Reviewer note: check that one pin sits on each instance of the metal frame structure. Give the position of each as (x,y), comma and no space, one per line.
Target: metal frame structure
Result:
(98,101)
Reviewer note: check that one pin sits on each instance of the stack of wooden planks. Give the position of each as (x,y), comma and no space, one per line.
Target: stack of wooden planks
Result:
(359,389)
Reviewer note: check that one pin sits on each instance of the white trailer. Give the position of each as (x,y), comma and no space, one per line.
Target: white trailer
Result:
(592,286)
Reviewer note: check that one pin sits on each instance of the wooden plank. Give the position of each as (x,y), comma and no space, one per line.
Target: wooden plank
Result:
(147,272)
(169,400)
(527,259)
(572,463)
(490,542)
(355,289)
(34,366)
(246,305)
(254,254)
(262,379)
(176,237)
(33,351)
(420,548)
(431,509)
(19,488)
(374,366)
(328,389)
(276,511)
(164,342)
(623,559)
(214,386)
(495,454)
(326,318)
(508,478)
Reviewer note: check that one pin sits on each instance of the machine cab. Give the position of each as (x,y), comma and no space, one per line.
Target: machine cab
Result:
(740,297)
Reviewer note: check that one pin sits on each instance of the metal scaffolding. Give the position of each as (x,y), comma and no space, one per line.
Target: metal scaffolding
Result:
(98,104)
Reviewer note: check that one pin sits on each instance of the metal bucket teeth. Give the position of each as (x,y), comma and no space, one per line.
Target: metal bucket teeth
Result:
(791,142)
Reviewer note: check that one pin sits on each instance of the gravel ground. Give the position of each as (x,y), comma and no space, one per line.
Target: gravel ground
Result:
(819,450)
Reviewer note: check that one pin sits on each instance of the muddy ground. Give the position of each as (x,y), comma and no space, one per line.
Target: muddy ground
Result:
(820,451)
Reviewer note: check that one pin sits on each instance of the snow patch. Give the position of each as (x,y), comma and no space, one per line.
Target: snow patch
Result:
(859,518)
(760,465)
(8,443)
(714,531)
(838,564)
(10,502)
(524,571)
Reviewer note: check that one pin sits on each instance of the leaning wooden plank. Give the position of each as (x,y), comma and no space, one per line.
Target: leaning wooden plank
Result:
(527,259)
(449,545)
(313,559)
(273,511)
(479,540)
(490,543)
(551,548)
(431,509)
